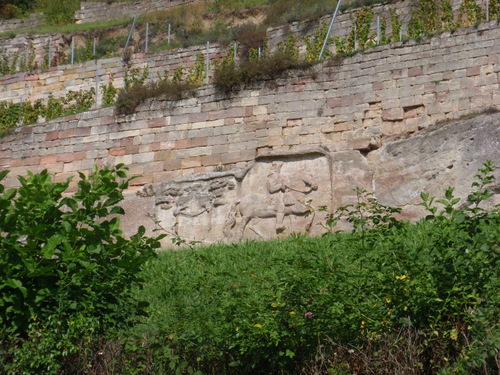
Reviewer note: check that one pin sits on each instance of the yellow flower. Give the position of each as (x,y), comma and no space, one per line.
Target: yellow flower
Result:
(292,312)
(257,325)
(237,329)
(388,300)
(402,277)
(363,324)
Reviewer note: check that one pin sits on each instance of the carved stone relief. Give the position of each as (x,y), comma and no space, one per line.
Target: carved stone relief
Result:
(277,195)
(194,208)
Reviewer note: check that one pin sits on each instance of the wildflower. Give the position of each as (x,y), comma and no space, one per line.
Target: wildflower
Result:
(237,329)
(363,324)
(402,277)
(257,325)
(292,312)
(309,315)
(388,300)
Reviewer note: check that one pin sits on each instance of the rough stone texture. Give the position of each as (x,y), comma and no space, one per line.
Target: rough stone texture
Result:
(104,11)
(348,110)
(33,20)
(432,161)
(58,81)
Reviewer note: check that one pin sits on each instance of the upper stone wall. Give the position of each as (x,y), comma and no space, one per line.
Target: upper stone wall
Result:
(34,20)
(58,81)
(105,11)
(344,21)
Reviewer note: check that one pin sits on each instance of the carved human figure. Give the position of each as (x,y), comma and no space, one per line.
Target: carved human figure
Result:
(278,188)
(281,189)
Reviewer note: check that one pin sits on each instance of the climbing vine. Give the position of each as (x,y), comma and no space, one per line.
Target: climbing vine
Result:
(314,45)
(196,72)
(469,13)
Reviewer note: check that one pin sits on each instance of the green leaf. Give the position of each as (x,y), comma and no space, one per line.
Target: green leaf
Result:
(3,174)
(117,210)
(17,284)
(48,250)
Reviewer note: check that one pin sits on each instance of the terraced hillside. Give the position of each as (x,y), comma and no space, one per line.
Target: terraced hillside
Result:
(384,77)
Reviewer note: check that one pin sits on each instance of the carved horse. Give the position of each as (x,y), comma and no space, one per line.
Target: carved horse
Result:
(257,206)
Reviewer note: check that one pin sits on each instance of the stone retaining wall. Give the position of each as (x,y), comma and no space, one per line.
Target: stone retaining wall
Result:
(37,85)
(34,20)
(104,11)
(344,21)
(383,92)
(58,81)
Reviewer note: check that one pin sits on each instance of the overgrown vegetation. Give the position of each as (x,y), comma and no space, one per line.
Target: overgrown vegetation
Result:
(26,113)
(137,90)
(390,297)
(67,270)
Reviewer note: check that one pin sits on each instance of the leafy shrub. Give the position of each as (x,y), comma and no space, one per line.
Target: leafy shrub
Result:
(228,76)
(67,270)
(58,12)
(127,101)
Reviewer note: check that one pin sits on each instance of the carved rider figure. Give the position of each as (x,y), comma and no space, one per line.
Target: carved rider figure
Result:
(280,188)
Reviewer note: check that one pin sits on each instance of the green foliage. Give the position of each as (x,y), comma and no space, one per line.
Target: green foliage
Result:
(26,113)
(314,45)
(127,101)
(58,12)
(396,25)
(196,74)
(361,28)
(67,269)
(19,62)
(469,13)
(109,92)
(136,76)
(229,77)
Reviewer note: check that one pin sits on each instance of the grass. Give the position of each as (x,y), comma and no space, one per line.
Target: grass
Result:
(387,298)
(323,303)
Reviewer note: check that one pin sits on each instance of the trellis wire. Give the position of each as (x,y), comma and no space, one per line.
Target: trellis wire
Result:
(96,86)
(130,35)
(355,36)
(329,31)
(50,51)
(378,29)
(72,50)
(208,62)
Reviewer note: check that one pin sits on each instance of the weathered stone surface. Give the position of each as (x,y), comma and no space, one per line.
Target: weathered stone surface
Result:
(434,160)
(280,192)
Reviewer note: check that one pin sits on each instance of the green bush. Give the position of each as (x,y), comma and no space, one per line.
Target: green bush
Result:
(229,77)
(58,12)
(67,269)
(128,100)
